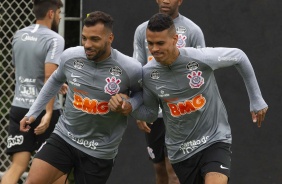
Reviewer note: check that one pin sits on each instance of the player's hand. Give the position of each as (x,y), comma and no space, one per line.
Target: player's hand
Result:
(64,89)
(259,116)
(142,125)
(118,103)
(25,122)
(44,124)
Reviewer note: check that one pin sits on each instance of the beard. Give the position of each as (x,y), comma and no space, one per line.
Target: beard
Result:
(100,53)
(54,26)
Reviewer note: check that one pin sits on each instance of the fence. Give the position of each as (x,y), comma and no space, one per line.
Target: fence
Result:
(14,15)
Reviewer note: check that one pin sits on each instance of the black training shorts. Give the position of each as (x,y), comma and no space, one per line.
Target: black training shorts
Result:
(215,158)
(86,169)
(156,141)
(27,141)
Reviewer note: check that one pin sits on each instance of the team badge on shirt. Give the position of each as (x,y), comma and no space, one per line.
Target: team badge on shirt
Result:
(181,41)
(78,64)
(155,74)
(192,65)
(196,79)
(181,30)
(116,71)
(112,86)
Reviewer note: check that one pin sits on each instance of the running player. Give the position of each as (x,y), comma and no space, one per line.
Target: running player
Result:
(36,50)
(182,82)
(87,134)
(189,35)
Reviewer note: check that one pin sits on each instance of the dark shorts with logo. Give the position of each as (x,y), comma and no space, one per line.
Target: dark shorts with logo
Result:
(19,141)
(215,158)
(86,169)
(156,141)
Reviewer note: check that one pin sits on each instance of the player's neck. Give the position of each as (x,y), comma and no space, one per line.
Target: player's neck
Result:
(44,23)
(173,57)
(175,15)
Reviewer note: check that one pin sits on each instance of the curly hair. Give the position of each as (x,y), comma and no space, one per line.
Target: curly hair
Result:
(99,17)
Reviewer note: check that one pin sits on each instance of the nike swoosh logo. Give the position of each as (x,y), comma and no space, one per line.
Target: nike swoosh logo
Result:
(222,167)
(159,87)
(72,75)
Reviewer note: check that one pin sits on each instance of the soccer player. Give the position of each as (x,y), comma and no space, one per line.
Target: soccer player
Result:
(182,82)
(87,134)
(36,52)
(189,35)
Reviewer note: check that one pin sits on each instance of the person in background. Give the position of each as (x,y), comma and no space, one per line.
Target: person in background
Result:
(36,52)
(189,35)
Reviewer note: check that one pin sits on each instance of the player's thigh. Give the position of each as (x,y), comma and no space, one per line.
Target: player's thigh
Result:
(215,178)
(21,159)
(62,180)
(42,172)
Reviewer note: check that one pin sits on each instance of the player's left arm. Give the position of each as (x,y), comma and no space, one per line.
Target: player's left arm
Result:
(224,57)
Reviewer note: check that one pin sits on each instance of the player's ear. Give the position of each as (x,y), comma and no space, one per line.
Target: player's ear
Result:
(111,37)
(50,14)
(180,2)
(175,39)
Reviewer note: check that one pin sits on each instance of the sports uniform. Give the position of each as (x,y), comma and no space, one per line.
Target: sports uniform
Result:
(33,47)
(189,35)
(87,124)
(194,114)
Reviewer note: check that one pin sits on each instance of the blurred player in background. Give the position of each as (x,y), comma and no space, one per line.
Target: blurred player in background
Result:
(36,52)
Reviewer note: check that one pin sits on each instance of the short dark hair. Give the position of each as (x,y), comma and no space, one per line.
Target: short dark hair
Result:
(160,22)
(99,17)
(41,7)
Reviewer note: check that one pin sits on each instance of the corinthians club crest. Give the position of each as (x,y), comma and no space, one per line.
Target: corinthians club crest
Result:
(196,79)
(112,86)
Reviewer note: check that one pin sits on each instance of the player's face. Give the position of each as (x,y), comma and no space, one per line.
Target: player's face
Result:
(169,7)
(97,42)
(162,46)
(56,20)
